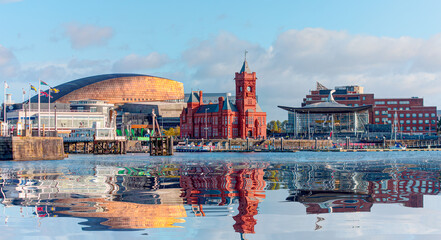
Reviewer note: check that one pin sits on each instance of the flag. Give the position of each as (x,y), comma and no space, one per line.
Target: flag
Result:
(6,85)
(33,88)
(24,92)
(44,83)
(44,94)
(55,90)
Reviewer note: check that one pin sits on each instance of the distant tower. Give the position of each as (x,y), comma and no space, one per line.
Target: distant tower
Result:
(245,98)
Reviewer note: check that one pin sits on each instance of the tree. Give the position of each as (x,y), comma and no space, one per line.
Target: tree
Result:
(275,127)
(173,131)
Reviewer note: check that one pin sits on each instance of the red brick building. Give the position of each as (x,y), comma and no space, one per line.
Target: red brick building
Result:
(412,115)
(241,119)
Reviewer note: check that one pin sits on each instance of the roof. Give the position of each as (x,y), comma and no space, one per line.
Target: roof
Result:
(211,108)
(245,67)
(194,97)
(71,86)
(229,106)
(326,107)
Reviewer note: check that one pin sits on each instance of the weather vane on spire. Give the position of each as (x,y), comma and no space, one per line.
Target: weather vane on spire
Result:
(246,54)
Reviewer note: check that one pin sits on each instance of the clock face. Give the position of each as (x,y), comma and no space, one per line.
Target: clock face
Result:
(249,89)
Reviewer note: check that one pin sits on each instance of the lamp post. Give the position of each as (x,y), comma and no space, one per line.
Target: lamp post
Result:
(206,120)
(55,108)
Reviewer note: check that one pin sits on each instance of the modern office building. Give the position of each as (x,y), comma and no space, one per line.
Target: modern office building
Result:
(226,119)
(411,114)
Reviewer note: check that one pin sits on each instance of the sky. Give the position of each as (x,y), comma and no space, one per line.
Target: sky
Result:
(391,48)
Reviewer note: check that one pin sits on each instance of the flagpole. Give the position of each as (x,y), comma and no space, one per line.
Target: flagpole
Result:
(23,110)
(39,122)
(49,124)
(29,102)
(4,109)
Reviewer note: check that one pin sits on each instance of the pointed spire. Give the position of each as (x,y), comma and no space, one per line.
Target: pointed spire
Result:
(245,67)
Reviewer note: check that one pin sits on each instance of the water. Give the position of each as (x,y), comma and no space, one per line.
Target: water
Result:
(306,195)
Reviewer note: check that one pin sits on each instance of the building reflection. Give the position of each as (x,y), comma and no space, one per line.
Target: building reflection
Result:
(225,185)
(339,188)
(164,194)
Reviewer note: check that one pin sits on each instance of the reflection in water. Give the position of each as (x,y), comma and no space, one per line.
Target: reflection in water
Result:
(163,194)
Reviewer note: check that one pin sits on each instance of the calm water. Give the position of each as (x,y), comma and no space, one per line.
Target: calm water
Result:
(224,196)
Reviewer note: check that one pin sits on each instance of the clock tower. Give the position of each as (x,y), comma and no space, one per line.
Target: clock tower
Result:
(246,99)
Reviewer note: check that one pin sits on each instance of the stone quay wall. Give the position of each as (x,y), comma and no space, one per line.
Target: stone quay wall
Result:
(31,148)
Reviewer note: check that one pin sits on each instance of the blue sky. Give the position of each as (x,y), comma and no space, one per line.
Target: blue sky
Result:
(381,45)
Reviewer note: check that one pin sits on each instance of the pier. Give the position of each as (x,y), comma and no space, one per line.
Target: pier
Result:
(31,148)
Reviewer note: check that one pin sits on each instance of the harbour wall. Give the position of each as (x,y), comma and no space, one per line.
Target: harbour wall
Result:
(31,148)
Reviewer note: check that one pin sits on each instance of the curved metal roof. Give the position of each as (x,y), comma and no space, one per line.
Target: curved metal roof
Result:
(326,108)
(71,86)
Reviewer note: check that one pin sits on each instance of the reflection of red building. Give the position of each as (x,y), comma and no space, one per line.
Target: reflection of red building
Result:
(223,186)
(241,119)
(409,190)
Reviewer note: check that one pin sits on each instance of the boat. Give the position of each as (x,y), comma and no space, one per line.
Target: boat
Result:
(190,148)
(397,145)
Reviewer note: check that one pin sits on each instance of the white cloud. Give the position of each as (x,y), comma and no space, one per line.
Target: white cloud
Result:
(134,62)
(83,36)
(388,67)
(8,63)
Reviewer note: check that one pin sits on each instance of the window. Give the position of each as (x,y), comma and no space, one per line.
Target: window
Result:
(384,120)
(407,128)
(356,105)
(401,121)
(414,121)
(414,128)
(404,102)
(420,128)
(420,121)
(401,115)
(433,121)
(364,98)
(433,114)
(377,112)
(407,114)
(407,108)
(377,120)
(384,112)
(395,108)
(401,108)
(414,115)
(426,121)
(349,105)
(92,109)
(420,115)
(426,115)
(379,102)
(389,115)
(408,121)
(389,109)
(392,102)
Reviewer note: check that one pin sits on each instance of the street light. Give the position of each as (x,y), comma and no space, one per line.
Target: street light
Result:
(206,128)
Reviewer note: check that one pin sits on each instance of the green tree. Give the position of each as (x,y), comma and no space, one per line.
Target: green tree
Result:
(275,128)
(173,132)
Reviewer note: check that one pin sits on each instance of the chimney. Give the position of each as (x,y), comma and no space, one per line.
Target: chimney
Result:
(221,103)
(200,98)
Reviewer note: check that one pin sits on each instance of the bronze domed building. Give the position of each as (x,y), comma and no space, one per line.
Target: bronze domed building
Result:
(118,89)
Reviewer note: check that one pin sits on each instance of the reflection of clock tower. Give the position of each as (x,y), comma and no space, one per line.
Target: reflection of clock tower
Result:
(246,99)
